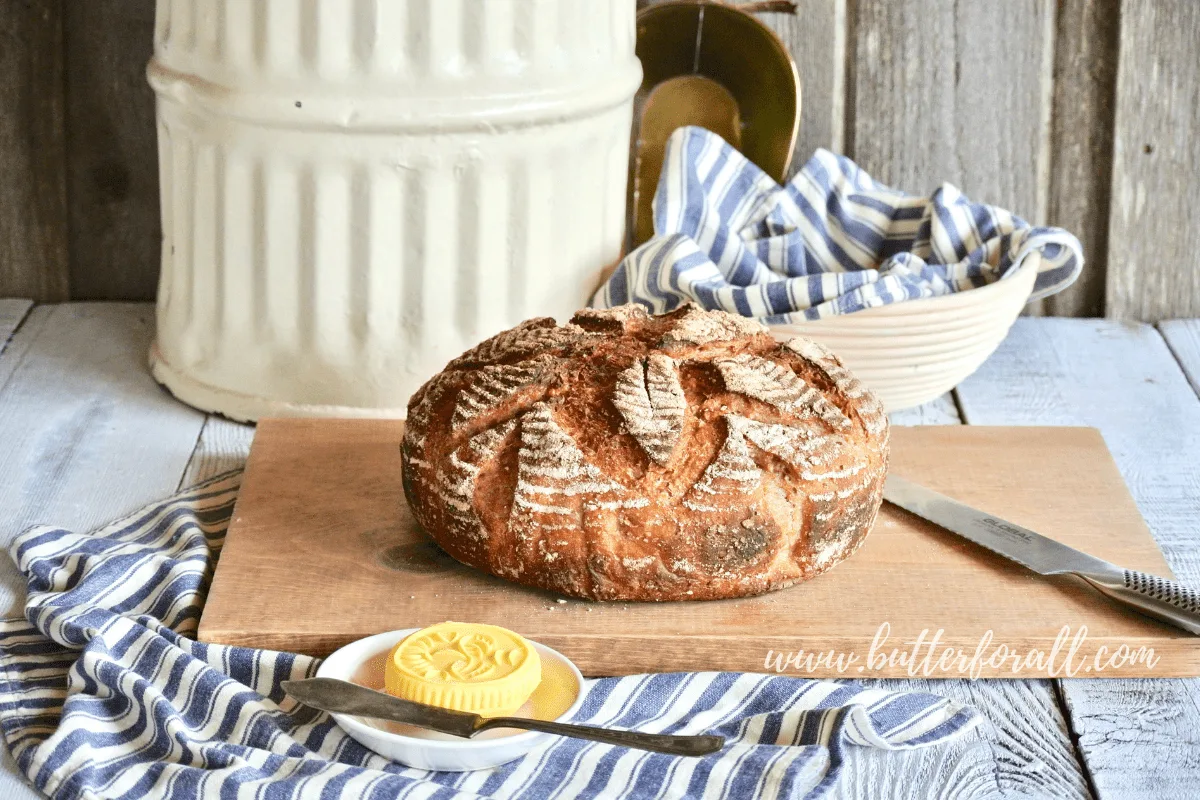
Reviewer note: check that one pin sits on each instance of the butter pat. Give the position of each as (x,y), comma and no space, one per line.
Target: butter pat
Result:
(482,669)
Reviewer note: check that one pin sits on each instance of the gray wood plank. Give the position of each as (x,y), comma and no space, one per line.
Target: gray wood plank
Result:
(1154,231)
(1183,337)
(957,91)
(18,344)
(87,434)
(1085,75)
(223,446)
(112,150)
(12,312)
(12,782)
(1022,751)
(940,411)
(1139,739)
(33,189)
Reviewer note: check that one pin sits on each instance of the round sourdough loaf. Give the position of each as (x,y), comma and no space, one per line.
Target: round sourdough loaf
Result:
(687,456)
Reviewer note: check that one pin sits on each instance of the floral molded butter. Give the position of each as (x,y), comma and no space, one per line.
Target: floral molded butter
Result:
(483,669)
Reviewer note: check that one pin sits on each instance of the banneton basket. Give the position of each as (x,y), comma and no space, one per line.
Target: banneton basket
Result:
(353,193)
(912,352)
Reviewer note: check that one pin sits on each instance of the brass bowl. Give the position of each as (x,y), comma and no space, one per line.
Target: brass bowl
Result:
(713,65)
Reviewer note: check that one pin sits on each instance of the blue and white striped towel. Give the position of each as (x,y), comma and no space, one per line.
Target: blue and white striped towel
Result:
(832,241)
(103,695)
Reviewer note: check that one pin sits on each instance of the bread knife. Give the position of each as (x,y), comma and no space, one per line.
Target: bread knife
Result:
(1157,597)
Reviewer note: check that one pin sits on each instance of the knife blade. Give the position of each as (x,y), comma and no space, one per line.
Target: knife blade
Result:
(1161,598)
(1028,548)
(343,697)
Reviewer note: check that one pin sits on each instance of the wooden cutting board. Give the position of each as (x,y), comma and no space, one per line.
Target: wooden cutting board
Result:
(322,550)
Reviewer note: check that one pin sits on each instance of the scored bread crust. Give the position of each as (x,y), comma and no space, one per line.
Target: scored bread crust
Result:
(687,456)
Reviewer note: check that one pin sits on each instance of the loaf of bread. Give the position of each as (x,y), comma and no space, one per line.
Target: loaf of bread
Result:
(687,456)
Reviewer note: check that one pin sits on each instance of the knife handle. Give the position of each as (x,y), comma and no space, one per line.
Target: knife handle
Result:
(1158,597)
(657,742)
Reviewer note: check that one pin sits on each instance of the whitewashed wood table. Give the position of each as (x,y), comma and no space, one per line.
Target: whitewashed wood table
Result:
(86,435)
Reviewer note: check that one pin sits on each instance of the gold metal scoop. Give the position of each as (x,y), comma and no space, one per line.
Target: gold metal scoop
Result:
(715,66)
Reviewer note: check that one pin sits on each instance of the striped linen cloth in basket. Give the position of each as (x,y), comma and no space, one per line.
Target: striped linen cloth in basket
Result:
(832,241)
(104,695)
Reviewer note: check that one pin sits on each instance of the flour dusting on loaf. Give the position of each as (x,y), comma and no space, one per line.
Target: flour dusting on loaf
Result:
(456,485)
(630,457)
(731,477)
(495,384)
(651,402)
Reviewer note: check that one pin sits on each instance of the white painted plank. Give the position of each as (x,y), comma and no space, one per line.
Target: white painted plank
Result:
(12,350)
(12,311)
(223,446)
(1183,337)
(1139,739)
(1022,750)
(940,411)
(87,433)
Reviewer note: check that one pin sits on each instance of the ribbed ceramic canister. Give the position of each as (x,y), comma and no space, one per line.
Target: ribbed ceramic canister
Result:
(356,191)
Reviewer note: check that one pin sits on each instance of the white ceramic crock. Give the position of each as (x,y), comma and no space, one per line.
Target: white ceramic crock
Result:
(910,353)
(356,191)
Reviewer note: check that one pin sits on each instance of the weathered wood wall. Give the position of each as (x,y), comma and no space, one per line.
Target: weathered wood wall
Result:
(1080,113)
(33,185)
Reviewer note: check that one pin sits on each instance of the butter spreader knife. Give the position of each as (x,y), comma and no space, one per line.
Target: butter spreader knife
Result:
(343,697)
(1157,597)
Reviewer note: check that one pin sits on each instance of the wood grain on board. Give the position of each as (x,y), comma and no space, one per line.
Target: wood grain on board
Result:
(1154,230)
(323,550)
(33,185)
(1139,739)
